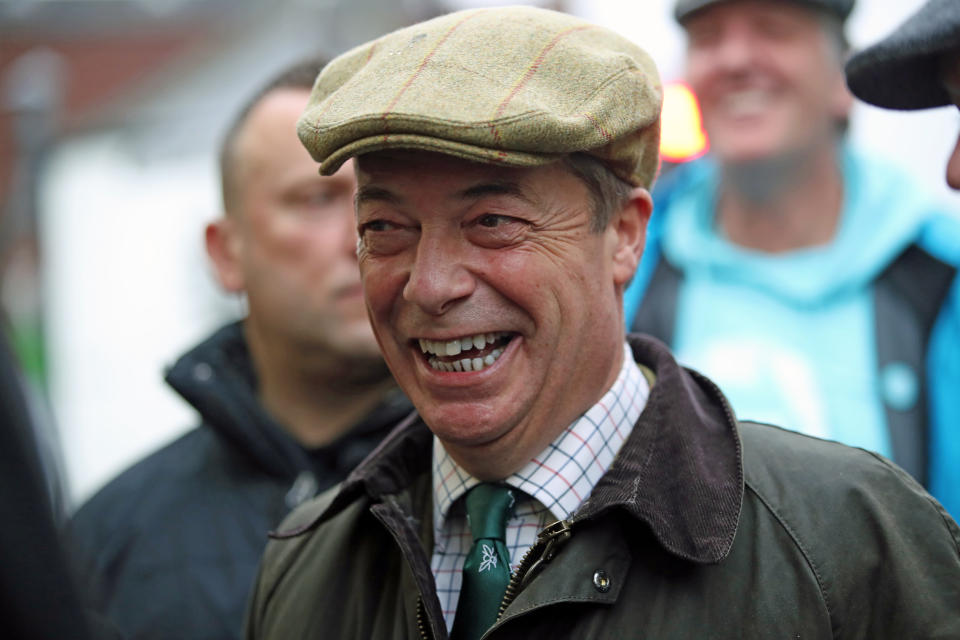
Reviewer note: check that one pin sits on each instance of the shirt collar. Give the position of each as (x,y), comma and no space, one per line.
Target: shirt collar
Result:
(562,475)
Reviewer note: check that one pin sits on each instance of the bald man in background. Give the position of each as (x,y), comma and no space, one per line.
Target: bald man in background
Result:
(292,397)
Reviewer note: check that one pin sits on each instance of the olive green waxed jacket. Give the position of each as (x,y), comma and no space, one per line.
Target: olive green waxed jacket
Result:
(702,528)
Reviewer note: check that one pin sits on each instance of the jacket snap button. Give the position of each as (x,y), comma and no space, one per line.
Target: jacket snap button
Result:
(601,581)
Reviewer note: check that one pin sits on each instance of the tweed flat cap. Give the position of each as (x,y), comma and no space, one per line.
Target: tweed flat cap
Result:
(684,8)
(517,86)
(902,71)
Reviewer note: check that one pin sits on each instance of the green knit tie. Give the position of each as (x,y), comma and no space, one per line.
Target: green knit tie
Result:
(486,571)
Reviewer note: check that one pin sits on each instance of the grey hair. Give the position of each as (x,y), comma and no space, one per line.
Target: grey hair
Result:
(608,192)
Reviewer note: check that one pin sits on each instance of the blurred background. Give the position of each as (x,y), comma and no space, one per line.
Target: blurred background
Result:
(111,112)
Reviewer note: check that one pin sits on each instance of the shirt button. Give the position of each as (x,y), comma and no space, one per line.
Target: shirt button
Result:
(601,581)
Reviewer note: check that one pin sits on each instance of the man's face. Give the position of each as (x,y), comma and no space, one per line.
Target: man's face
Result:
(767,77)
(294,237)
(497,309)
(951,81)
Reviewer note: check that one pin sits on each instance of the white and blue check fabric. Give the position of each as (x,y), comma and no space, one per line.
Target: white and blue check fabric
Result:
(552,485)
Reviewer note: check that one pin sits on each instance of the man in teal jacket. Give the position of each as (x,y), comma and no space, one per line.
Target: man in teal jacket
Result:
(817,286)
(557,480)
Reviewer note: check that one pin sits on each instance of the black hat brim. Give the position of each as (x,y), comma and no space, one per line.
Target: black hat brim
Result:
(902,71)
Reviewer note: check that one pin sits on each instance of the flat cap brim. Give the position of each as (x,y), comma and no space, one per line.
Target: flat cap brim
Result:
(516,86)
(902,71)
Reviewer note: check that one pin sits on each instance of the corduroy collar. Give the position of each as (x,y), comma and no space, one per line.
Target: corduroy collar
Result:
(679,472)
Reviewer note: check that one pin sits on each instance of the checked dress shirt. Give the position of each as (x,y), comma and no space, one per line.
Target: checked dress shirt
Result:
(551,486)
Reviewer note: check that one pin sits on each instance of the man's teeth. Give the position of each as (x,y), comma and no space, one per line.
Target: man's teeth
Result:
(467,364)
(455,347)
(461,345)
(746,102)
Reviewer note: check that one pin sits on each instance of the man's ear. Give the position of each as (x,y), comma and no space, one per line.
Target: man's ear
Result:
(630,225)
(223,246)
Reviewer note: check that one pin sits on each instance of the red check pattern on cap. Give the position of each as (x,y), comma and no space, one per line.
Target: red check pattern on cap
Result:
(552,485)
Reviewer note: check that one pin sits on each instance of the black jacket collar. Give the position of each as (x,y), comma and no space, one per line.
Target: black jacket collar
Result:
(218,379)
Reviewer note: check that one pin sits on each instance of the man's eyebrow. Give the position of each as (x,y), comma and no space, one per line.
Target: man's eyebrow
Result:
(494,188)
(368,194)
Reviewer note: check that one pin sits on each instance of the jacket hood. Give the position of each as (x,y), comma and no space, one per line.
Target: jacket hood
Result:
(680,471)
(883,213)
(217,378)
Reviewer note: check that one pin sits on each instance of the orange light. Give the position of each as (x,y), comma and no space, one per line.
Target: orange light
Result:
(681,135)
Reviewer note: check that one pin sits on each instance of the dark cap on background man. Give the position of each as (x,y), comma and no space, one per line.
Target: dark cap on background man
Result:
(841,8)
(520,86)
(902,71)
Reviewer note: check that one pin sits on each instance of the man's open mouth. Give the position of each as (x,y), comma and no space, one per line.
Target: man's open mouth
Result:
(469,353)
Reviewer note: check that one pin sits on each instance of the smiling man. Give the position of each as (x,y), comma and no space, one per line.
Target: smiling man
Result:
(454,253)
(817,285)
(559,481)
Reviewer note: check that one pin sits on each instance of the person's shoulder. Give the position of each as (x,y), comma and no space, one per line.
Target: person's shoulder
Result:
(149,484)
(308,539)
(330,510)
(806,482)
(892,197)
(774,455)
(883,553)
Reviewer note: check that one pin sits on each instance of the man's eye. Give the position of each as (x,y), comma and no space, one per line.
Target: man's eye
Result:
(323,198)
(320,202)
(492,220)
(377,225)
(382,237)
(496,231)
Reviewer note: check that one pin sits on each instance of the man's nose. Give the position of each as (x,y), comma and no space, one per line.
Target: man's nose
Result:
(438,278)
(734,51)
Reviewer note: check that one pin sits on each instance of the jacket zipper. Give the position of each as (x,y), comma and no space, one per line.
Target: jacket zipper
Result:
(421,625)
(550,540)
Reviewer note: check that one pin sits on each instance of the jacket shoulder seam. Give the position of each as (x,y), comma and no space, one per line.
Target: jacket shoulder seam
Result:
(782,521)
(948,522)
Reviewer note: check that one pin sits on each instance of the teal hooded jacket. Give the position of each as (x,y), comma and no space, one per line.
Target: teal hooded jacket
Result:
(856,341)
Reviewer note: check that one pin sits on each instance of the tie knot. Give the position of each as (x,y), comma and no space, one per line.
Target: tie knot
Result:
(488,508)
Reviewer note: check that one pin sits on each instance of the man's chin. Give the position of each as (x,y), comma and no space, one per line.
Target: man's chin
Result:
(356,338)
(486,454)
(464,427)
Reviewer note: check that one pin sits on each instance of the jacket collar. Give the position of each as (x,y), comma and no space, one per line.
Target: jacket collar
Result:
(217,377)
(679,472)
